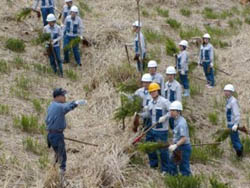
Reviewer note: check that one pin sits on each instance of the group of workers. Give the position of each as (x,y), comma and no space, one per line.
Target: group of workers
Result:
(162,105)
(71,31)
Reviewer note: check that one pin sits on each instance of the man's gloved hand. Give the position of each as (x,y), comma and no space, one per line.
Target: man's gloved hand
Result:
(54,41)
(211,65)
(81,102)
(81,37)
(62,25)
(136,58)
(162,119)
(145,108)
(172,147)
(235,128)
(182,72)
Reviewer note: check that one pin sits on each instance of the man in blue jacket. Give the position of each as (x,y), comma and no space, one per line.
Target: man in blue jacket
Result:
(56,123)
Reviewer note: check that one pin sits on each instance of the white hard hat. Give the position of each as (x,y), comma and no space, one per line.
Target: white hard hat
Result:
(170,70)
(152,64)
(146,78)
(66,1)
(184,43)
(74,9)
(176,105)
(136,24)
(51,18)
(229,87)
(206,36)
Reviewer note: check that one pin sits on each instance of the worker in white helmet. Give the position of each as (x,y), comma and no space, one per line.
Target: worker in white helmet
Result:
(66,9)
(140,48)
(182,67)
(73,29)
(233,118)
(206,59)
(156,77)
(54,46)
(181,142)
(47,7)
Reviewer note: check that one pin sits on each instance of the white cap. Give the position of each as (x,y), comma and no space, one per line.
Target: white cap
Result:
(170,70)
(66,1)
(152,64)
(51,18)
(229,87)
(206,36)
(146,78)
(136,24)
(74,9)
(184,43)
(176,105)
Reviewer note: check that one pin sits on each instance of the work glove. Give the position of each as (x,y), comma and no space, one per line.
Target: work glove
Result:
(211,65)
(62,25)
(145,108)
(162,119)
(54,41)
(235,127)
(172,147)
(182,72)
(81,37)
(81,102)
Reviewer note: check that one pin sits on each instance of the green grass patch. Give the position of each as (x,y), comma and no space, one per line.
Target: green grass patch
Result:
(154,53)
(209,13)
(83,8)
(42,69)
(43,161)
(153,36)
(247,20)
(19,63)
(145,13)
(185,12)
(23,86)
(37,105)
(246,11)
(34,146)
(162,12)
(23,14)
(15,45)
(29,123)
(195,89)
(171,47)
(173,23)
(215,183)
(41,38)
(71,74)
(213,117)
(189,32)
(4,67)
(4,109)
(235,23)
(246,145)
(183,181)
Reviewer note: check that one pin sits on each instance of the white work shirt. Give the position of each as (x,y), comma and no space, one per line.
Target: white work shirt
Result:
(73,27)
(173,91)
(143,44)
(182,61)
(44,4)
(232,111)
(159,79)
(144,95)
(55,33)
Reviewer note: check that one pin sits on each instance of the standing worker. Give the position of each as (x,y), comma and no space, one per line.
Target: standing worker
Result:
(140,48)
(54,46)
(206,59)
(66,9)
(182,67)
(233,118)
(73,30)
(146,97)
(47,7)
(181,142)
(156,111)
(172,90)
(156,77)
(56,123)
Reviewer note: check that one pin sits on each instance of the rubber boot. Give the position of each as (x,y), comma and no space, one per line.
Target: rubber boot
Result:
(186,93)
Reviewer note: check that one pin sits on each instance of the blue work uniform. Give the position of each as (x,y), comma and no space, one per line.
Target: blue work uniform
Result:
(156,109)
(73,28)
(159,79)
(233,118)
(55,125)
(206,58)
(47,7)
(181,130)
(56,36)
(65,11)
(142,52)
(182,67)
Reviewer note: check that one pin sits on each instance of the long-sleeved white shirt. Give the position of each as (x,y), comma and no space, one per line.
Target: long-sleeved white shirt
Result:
(232,111)
(206,53)
(73,27)
(44,4)
(55,33)
(173,91)
(182,61)
(159,79)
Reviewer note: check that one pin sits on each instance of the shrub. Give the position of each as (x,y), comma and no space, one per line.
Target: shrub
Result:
(213,118)
(171,47)
(4,109)
(145,13)
(28,124)
(71,74)
(183,181)
(41,38)
(4,67)
(34,146)
(209,13)
(195,89)
(23,14)
(15,45)
(37,105)
(190,32)
(173,23)
(185,12)
(216,184)
(153,36)
(162,12)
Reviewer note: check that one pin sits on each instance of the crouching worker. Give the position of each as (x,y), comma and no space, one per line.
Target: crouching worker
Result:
(157,110)
(233,118)
(181,142)
(53,47)
(55,125)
